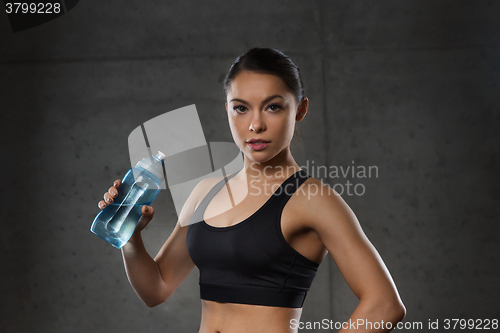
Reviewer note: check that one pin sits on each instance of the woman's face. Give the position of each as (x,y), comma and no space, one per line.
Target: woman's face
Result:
(261,107)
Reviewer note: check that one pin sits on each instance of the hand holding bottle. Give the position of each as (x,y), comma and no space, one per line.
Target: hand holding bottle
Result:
(112,193)
(122,211)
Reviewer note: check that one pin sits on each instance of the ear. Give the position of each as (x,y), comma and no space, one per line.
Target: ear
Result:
(302,109)
(226,106)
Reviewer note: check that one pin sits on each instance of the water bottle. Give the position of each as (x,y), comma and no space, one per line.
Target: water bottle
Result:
(140,186)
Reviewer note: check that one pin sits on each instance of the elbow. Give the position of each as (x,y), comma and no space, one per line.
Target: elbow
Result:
(399,311)
(392,310)
(395,310)
(152,302)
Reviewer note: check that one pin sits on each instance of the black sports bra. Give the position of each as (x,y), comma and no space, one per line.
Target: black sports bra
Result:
(250,262)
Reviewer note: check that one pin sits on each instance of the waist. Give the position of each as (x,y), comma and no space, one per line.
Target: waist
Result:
(243,318)
(276,297)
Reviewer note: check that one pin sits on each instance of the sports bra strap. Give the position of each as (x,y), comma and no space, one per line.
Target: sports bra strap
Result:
(290,186)
(282,193)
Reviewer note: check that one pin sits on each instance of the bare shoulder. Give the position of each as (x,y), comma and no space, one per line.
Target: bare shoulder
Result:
(197,194)
(314,194)
(323,209)
(204,186)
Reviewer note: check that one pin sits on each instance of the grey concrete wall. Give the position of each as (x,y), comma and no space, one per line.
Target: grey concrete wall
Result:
(410,87)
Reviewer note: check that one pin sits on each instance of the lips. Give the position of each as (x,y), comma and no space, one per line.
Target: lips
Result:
(257,144)
(257,141)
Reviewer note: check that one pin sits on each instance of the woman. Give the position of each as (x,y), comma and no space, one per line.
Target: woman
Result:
(258,235)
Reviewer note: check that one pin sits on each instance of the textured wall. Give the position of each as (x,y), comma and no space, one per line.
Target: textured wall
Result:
(407,86)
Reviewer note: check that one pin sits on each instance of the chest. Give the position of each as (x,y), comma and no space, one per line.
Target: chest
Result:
(234,204)
(248,230)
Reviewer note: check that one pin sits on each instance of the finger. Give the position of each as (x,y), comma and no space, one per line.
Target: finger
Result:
(113,192)
(117,183)
(102,204)
(147,215)
(108,198)
(147,211)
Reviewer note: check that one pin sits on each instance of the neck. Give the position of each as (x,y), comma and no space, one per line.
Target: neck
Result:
(282,165)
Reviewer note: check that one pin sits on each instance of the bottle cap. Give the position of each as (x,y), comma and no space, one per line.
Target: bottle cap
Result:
(153,164)
(161,156)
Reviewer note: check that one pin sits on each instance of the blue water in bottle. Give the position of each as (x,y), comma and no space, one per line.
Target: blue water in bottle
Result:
(140,186)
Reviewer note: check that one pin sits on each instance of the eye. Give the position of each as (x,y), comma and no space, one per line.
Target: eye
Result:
(239,109)
(274,107)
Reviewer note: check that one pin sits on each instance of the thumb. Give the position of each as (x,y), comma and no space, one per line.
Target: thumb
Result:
(147,212)
(147,215)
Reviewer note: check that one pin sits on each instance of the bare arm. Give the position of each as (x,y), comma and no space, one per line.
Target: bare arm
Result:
(358,261)
(154,280)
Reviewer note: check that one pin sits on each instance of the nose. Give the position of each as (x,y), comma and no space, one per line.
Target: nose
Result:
(257,124)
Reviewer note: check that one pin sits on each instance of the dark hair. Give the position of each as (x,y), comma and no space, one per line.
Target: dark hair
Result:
(268,61)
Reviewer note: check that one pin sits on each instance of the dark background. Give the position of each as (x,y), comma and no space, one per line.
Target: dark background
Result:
(411,87)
